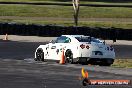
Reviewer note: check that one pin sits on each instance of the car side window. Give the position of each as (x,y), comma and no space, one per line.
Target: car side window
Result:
(68,40)
(95,40)
(63,39)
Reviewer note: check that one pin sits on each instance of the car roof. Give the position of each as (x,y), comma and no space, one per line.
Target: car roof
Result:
(73,35)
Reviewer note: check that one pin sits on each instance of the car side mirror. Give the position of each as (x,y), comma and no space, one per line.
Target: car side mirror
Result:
(104,42)
(52,41)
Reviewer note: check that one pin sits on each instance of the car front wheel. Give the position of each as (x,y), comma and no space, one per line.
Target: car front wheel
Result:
(39,55)
(69,56)
(107,62)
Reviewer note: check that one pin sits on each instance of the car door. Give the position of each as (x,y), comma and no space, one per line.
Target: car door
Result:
(51,49)
(56,47)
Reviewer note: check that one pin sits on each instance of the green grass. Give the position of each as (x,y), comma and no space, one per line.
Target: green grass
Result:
(123,63)
(65,11)
(35,1)
(35,11)
(125,25)
(103,12)
(106,2)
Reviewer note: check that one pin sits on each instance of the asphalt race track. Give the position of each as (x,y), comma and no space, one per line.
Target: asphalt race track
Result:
(24,50)
(19,70)
(123,51)
(18,50)
(30,74)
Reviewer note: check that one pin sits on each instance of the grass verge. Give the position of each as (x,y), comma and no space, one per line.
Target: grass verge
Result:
(125,25)
(64,11)
(123,63)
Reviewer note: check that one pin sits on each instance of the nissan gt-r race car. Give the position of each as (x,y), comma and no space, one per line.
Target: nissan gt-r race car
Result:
(77,49)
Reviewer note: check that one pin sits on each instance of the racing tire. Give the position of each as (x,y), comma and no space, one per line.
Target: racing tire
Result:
(69,57)
(39,55)
(107,62)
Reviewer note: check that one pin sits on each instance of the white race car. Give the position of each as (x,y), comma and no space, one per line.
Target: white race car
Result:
(77,48)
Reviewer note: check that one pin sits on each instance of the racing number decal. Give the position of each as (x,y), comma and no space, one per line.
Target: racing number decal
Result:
(57,51)
(47,53)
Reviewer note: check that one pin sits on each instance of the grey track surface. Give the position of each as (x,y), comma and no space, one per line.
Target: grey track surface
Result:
(30,74)
(45,39)
(19,70)
(22,50)
(123,51)
(20,47)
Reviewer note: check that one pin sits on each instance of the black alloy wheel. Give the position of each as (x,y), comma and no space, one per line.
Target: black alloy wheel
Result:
(40,55)
(107,62)
(69,56)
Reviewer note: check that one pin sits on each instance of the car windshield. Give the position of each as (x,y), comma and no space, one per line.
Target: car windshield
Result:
(88,39)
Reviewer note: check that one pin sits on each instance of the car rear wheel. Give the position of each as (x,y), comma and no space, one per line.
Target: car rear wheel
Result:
(69,56)
(107,62)
(39,55)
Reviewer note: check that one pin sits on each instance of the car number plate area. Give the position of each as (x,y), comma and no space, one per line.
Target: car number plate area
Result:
(98,53)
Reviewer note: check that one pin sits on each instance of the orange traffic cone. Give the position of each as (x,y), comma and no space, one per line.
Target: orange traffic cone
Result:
(84,73)
(6,37)
(62,58)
